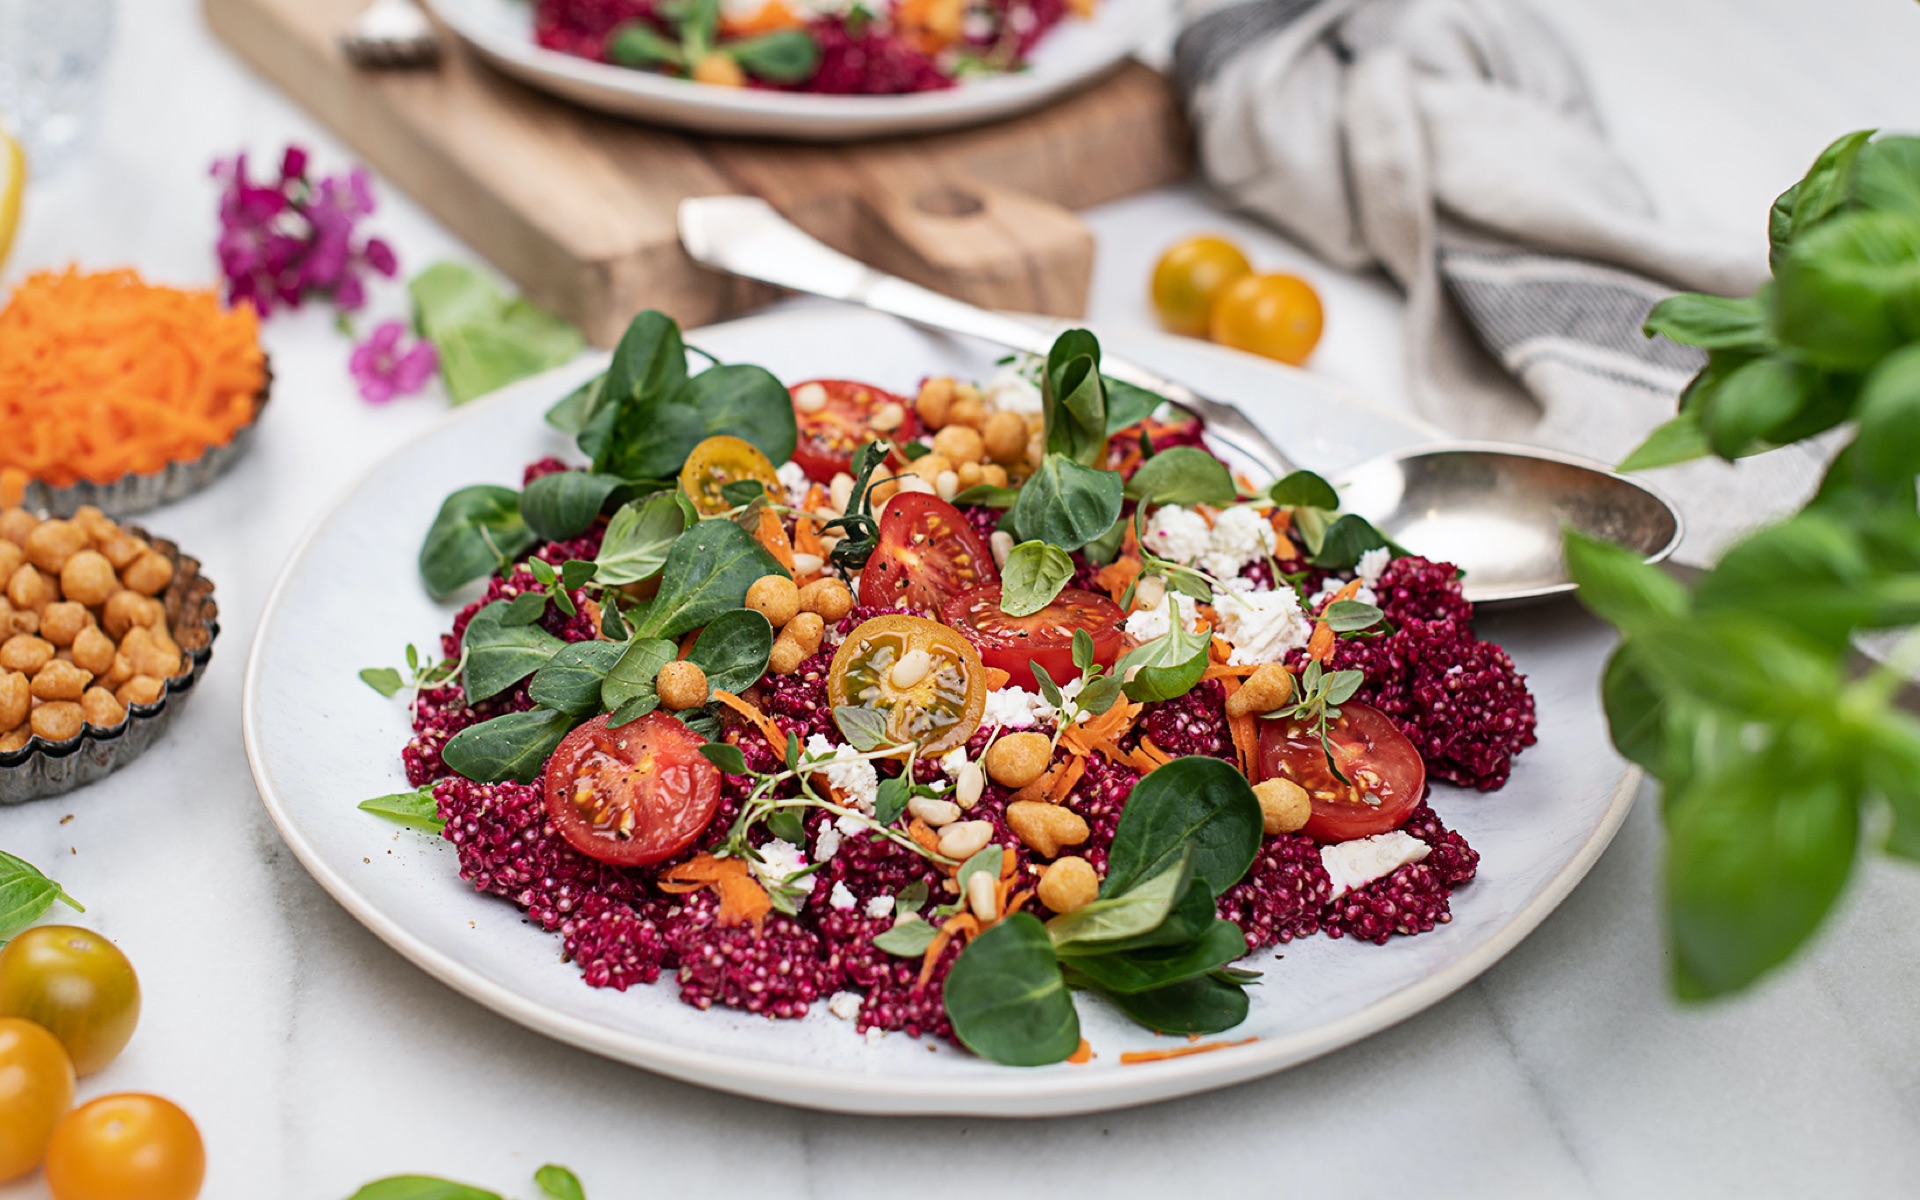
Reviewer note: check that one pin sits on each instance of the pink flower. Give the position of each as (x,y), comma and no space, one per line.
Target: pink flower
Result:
(282,243)
(382,370)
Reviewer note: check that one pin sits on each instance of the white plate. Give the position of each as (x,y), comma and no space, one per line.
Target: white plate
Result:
(1073,54)
(319,741)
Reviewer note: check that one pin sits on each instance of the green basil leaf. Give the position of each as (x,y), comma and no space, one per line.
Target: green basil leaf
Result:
(1141,909)
(1345,541)
(1033,575)
(1350,616)
(1636,711)
(26,894)
(632,676)
(1753,399)
(1166,667)
(485,340)
(384,680)
(1890,762)
(1756,856)
(1848,291)
(733,649)
(1744,664)
(707,572)
(1073,400)
(1066,504)
(630,433)
(635,44)
(1886,175)
(1617,586)
(1828,184)
(1146,970)
(638,539)
(572,680)
(1007,1000)
(1679,440)
(726,757)
(1304,489)
(559,1183)
(1713,322)
(477,531)
(416,808)
(564,504)
(909,937)
(500,654)
(785,56)
(650,361)
(1183,475)
(515,746)
(1208,1004)
(1889,415)
(1814,573)
(420,1187)
(1194,804)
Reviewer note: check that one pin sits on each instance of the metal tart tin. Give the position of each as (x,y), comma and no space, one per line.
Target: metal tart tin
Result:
(42,768)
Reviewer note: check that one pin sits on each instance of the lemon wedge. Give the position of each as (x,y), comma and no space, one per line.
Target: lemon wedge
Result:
(13,184)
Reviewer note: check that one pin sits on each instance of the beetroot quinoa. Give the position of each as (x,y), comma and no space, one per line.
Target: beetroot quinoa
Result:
(1459,699)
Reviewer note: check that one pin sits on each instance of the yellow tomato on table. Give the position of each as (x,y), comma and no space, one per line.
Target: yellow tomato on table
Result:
(1188,278)
(77,985)
(126,1147)
(1277,316)
(36,1089)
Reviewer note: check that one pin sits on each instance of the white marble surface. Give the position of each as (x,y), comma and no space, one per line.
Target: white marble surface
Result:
(315,1059)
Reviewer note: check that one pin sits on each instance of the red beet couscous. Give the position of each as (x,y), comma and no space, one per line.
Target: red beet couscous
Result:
(845,719)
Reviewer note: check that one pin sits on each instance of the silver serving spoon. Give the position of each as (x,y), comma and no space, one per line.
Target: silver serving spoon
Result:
(1494,510)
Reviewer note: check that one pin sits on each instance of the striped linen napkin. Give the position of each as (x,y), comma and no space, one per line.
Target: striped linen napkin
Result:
(1453,144)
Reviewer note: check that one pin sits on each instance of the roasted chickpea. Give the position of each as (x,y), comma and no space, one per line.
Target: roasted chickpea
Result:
(89,578)
(149,655)
(969,475)
(60,680)
(11,556)
(1018,759)
(9,742)
(1069,883)
(994,475)
(141,689)
(100,708)
(58,721)
(62,621)
(16,699)
(119,672)
(25,652)
(122,548)
(28,588)
(928,466)
(681,685)
(52,543)
(16,524)
(93,650)
(960,443)
(1268,688)
(124,610)
(828,597)
(1285,806)
(1005,437)
(936,399)
(774,597)
(150,573)
(98,526)
(13,620)
(967,411)
(786,657)
(807,628)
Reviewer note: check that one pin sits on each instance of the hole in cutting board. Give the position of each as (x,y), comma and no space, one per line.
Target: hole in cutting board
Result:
(948,202)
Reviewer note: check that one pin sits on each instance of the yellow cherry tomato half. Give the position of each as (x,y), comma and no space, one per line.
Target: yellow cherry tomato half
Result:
(1189,276)
(126,1147)
(923,680)
(77,985)
(1277,316)
(36,1090)
(722,460)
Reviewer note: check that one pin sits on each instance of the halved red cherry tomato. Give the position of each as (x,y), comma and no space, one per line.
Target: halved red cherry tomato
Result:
(1376,757)
(631,796)
(928,554)
(720,460)
(924,680)
(843,422)
(1046,637)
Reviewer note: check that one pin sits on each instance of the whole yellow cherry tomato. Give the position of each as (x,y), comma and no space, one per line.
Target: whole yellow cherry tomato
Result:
(36,1090)
(77,985)
(1277,316)
(126,1147)
(1188,278)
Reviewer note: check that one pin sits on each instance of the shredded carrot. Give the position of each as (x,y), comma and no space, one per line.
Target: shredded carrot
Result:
(776,737)
(1346,593)
(104,375)
(1282,521)
(742,899)
(1130,1057)
(1076,768)
(768,18)
(773,535)
(1245,729)
(1081,1055)
(923,835)
(686,644)
(1219,649)
(952,928)
(1159,757)
(1117,576)
(1112,725)
(1222,670)
(1041,788)
(806,541)
(1320,645)
(997,679)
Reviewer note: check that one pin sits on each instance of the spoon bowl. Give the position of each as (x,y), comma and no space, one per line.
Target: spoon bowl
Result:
(1497,512)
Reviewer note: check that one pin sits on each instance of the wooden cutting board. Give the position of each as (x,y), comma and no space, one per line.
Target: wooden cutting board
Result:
(578,208)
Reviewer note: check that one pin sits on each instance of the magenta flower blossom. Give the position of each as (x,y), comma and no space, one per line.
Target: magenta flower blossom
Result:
(297,238)
(383,369)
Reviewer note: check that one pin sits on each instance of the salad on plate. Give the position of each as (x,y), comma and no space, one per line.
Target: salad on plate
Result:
(943,712)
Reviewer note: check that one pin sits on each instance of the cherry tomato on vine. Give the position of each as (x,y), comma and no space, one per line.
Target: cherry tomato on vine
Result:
(838,416)
(77,985)
(925,681)
(631,796)
(1377,759)
(36,1090)
(126,1147)
(1013,644)
(721,460)
(1277,316)
(1189,276)
(928,553)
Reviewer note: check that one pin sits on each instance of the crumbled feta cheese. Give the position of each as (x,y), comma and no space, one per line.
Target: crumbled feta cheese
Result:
(1069,692)
(1261,626)
(880,906)
(845,1005)
(1240,536)
(795,480)
(1372,565)
(1355,864)
(1015,708)
(954,760)
(1149,622)
(850,825)
(841,897)
(1180,534)
(874,1034)
(845,770)
(1011,391)
(827,844)
(780,864)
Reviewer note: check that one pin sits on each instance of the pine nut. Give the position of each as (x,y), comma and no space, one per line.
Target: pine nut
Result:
(913,483)
(1150,591)
(1002,544)
(839,491)
(981,897)
(965,839)
(887,417)
(806,564)
(911,669)
(947,484)
(810,397)
(937,813)
(971,782)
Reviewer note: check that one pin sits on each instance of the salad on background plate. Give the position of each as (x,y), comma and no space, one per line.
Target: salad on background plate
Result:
(940,711)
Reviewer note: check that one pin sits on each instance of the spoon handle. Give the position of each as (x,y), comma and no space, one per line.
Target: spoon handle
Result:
(743,235)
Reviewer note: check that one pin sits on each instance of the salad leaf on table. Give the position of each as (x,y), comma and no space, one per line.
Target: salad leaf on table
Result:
(26,894)
(485,340)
